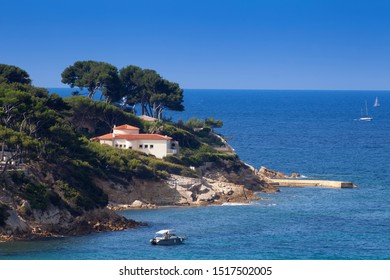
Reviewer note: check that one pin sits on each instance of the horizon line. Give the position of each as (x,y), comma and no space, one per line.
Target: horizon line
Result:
(260,89)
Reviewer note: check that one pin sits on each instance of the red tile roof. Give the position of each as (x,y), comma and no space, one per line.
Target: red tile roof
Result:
(126,127)
(109,136)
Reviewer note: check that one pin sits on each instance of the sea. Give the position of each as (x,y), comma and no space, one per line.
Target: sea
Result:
(315,133)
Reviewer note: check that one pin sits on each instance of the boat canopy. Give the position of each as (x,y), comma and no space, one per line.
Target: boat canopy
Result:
(164,231)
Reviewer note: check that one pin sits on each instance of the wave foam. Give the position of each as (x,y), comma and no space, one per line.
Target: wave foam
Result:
(235,204)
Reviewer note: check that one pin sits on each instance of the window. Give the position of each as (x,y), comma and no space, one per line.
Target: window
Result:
(130,148)
(116,145)
(140,146)
(146,146)
(151,146)
(120,146)
(124,146)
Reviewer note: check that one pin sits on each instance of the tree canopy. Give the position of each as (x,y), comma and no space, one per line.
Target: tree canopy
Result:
(97,118)
(129,86)
(147,88)
(213,123)
(94,76)
(131,78)
(12,74)
(26,114)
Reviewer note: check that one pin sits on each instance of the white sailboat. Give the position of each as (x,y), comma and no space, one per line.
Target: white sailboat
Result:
(376,103)
(365,117)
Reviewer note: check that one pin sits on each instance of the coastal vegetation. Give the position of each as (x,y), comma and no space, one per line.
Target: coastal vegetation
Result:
(13,74)
(127,87)
(3,214)
(47,159)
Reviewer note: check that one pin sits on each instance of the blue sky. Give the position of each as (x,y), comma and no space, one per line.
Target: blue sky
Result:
(264,44)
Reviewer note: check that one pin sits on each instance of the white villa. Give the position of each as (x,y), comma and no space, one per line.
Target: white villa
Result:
(128,137)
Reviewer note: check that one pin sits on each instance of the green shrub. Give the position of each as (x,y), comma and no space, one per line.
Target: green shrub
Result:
(170,168)
(174,159)
(99,116)
(205,154)
(159,165)
(185,138)
(81,163)
(162,174)
(89,195)
(68,192)
(194,123)
(139,169)
(121,162)
(3,214)
(36,194)
(209,138)
(19,178)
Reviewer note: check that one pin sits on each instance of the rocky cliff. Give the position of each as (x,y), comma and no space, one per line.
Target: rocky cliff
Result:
(39,203)
(36,206)
(216,183)
(58,222)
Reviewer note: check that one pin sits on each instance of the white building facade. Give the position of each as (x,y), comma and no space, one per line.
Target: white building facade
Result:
(128,137)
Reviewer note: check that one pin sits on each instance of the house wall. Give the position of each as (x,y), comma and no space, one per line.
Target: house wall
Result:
(158,148)
(106,142)
(121,144)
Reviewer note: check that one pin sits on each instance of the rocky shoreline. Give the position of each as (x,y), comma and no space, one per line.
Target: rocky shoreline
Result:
(47,224)
(229,182)
(214,186)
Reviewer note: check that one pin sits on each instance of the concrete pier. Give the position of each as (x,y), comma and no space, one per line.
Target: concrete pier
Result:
(310,183)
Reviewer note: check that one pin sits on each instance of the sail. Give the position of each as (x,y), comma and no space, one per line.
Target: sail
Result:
(365,117)
(376,103)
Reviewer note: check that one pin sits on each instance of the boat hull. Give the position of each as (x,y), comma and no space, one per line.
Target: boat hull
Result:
(167,242)
(367,119)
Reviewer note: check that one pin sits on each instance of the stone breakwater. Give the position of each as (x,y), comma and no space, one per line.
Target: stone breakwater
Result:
(279,179)
(310,183)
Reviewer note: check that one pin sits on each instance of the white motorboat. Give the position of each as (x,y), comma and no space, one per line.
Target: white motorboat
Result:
(167,237)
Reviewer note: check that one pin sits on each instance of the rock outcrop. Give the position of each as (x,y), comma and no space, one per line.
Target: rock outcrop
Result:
(215,184)
(59,222)
(272,174)
(20,220)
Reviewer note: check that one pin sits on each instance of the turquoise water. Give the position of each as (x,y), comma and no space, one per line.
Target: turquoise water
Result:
(311,132)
